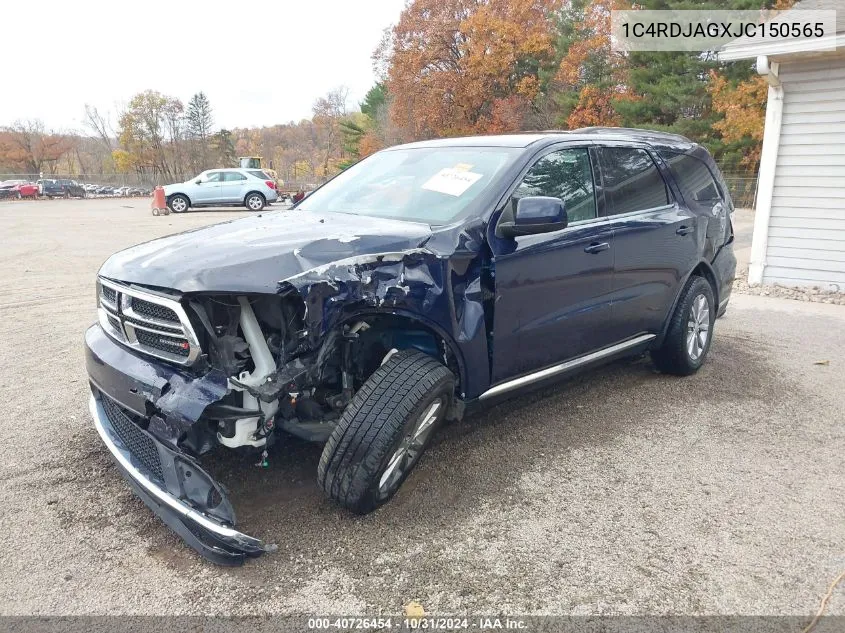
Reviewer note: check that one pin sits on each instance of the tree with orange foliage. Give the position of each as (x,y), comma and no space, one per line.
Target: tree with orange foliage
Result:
(465,66)
(27,147)
(743,106)
(590,71)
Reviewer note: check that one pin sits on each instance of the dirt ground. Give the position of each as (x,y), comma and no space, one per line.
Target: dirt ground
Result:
(622,491)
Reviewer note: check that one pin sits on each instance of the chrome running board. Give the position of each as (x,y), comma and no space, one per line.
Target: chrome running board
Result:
(560,368)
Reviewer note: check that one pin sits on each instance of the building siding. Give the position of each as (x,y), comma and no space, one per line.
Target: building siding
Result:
(806,241)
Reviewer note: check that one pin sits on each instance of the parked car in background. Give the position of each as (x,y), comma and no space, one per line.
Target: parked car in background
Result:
(218,187)
(60,188)
(18,189)
(25,190)
(6,188)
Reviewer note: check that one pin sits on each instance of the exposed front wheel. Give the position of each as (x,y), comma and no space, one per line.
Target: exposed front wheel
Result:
(385,430)
(255,202)
(690,330)
(178,204)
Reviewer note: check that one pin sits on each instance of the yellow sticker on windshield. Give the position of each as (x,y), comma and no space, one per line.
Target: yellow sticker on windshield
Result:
(462,167)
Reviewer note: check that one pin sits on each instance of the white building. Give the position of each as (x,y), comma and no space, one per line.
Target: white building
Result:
(799,226)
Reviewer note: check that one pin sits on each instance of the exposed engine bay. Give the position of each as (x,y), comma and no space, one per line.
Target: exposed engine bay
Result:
(277,379)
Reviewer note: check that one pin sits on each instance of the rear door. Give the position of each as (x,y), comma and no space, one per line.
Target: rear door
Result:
(553,289)
(233,188)
(656,238)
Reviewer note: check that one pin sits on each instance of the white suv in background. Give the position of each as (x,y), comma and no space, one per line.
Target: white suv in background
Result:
(215,187)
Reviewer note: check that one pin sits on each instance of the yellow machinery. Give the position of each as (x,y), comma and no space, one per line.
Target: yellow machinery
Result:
(254,162)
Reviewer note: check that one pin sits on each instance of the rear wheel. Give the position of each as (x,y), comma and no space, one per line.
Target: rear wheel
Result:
(385,430)
(255,202)
(690,330)
(178,203)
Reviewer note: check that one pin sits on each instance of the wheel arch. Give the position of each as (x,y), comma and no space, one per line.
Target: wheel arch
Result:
(416,322)
(702,269)
(179,193)
(252,191)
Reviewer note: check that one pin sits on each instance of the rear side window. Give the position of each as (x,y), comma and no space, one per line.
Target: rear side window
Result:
(693,177)
(565,174)
(232,176)
(631,180)
(258,174)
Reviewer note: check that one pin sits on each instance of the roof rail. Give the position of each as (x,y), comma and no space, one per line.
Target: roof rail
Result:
(629,131)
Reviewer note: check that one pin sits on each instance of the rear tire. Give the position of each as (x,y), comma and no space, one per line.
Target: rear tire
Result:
(255,202)
(690,331)
(385,430)
(178,203)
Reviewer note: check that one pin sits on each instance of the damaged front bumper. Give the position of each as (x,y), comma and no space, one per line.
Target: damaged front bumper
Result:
(213,539)
(168,481)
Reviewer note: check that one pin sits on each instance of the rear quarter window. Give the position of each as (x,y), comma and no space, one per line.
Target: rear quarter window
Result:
(258,174)
(694,178)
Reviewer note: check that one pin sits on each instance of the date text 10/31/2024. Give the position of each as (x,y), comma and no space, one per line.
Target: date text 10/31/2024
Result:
(417,623)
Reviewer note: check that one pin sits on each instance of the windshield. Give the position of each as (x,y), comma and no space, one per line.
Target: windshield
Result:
(428,184)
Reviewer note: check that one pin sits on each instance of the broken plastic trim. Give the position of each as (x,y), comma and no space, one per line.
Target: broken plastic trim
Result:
(214,540)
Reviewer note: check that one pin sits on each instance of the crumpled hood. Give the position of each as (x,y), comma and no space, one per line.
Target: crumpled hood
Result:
(254,254)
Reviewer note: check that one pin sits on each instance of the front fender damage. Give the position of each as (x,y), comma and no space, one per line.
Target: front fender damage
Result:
(446,293)
(447,290)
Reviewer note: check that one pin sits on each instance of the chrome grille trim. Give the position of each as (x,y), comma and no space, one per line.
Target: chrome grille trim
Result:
(121,311)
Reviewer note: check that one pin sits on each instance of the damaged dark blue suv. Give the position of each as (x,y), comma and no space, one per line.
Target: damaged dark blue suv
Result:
(426,279)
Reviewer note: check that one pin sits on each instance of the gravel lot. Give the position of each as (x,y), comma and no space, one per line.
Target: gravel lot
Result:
(622,491)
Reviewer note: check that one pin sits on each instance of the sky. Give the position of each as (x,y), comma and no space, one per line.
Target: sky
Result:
(259,62)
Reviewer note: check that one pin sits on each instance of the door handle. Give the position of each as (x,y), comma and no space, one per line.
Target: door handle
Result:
(684,230)
(597,247)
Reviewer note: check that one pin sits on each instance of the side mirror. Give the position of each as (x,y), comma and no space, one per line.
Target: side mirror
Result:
(535,214)
(198,181)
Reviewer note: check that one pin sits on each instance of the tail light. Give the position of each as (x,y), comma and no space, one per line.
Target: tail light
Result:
(270,184)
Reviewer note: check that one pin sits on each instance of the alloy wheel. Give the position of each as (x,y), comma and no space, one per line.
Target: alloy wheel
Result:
(698,327)
(410,448)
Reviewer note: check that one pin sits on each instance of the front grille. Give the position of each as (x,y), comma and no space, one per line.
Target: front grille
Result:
(169,344)
(153,310)
(109,294)
(151,323)
(135,440)
(175,328)
(115,322)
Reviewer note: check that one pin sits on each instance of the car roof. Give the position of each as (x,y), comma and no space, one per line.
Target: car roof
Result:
(527,139)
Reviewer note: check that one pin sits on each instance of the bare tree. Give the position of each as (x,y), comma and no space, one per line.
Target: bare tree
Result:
(328,112)
(102,128)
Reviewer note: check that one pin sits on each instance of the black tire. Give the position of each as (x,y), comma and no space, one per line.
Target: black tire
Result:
(384,413)
(255,201)
(678,355)
(181,205)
